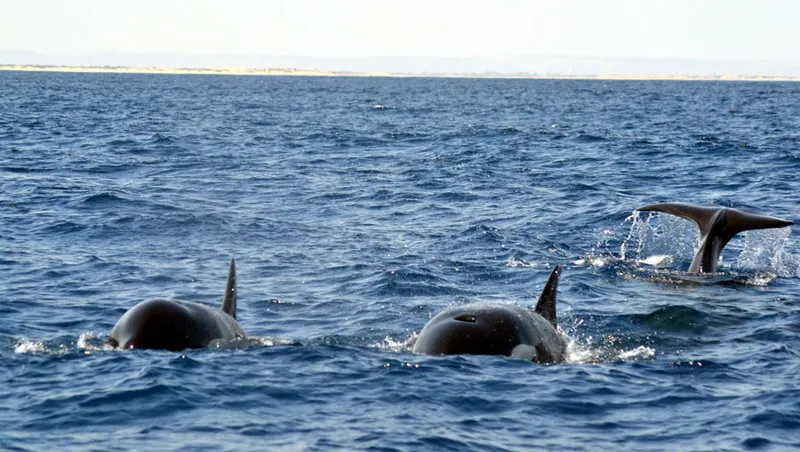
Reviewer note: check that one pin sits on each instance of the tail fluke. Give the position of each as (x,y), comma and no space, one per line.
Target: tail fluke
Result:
(229,302)
(717,226)
(546,307)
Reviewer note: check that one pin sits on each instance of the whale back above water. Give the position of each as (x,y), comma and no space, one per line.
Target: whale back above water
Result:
(168,324)
(498,329)
(717,226)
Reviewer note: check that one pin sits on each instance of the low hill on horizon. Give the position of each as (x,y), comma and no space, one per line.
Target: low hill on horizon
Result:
(517,65)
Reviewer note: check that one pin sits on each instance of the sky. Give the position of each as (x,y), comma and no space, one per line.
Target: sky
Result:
(726,30)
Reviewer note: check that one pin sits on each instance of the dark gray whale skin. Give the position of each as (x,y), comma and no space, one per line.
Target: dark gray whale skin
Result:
(498,329)
(168,324)
(717,226)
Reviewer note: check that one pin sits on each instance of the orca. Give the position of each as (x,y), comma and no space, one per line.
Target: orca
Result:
(168,324)
(717,226)
(498,329)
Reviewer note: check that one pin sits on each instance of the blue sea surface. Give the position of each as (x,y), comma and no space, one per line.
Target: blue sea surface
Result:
(356,209)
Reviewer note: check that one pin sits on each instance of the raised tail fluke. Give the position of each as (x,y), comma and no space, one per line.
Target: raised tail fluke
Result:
(229,302)
(546,306)
(717,226)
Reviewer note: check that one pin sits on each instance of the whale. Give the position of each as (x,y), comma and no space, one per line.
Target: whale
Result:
(174,325)
(498,329)
(718,225)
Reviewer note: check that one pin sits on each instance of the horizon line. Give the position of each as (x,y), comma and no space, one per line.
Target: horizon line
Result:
(297,72)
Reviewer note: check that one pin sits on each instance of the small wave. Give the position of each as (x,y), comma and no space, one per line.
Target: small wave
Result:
(19,169)
(122,142)
(416,281)
(108,168)
(483,232)
(102,199)
(457,197)
(379,107)
(162,139)
(589,138)
(63,227)
(676,319)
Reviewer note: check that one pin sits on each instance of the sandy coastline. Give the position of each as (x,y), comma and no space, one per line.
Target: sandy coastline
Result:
(322,73)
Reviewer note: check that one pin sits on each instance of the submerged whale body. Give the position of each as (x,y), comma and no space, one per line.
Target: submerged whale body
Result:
(717,226)
(168,324)
(498,329)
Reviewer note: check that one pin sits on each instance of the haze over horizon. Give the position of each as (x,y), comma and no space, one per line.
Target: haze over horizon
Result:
(616,37)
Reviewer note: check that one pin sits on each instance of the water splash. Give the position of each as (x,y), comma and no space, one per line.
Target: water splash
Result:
(650,241)
(659,239)
(765,250)
(586,353)
(89,343)
(600,255)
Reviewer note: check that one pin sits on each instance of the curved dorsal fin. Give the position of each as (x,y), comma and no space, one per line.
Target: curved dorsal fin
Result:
(229,302)
(546,307)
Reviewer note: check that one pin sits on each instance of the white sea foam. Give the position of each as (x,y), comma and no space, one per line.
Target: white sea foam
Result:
(30,346)
(658,260)
(270,341)
(514,262)
(640,352)
(395,345)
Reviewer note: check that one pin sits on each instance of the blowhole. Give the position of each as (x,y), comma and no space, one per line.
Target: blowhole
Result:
(466,318)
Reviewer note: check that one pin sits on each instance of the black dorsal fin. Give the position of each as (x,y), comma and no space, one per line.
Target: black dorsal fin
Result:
(546,307)
(229,302)
(717,226)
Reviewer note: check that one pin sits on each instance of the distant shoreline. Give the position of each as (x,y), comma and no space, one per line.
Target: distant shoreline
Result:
(323,73)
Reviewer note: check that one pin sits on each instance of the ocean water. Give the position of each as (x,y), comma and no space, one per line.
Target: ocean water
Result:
(357,208)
